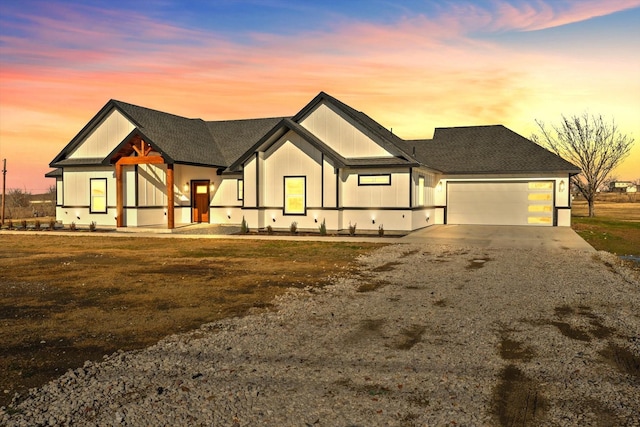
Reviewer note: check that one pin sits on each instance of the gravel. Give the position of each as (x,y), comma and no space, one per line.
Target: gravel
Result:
(421,335)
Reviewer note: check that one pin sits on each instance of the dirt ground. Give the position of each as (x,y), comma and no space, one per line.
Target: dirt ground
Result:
(68,299)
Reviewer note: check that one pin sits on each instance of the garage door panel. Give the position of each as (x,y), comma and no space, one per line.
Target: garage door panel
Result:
(500,203)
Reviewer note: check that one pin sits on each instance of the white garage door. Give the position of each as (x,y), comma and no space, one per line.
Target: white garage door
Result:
(500,203)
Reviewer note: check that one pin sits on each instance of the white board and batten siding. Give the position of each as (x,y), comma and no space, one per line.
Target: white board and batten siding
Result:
(152,185)
(335,130)
(104,137)
(291,156)
(76,191)
(393,195)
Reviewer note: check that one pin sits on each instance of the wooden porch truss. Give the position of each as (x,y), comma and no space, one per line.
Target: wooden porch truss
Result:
(142,156)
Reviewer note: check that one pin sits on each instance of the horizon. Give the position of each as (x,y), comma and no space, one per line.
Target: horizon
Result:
(412,66)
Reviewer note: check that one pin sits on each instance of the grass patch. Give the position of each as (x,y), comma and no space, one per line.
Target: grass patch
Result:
(621,237)
(68,299)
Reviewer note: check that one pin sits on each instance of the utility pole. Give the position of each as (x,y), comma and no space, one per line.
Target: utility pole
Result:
(4,186)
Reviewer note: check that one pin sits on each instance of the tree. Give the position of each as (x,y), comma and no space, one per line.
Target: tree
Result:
(591,143)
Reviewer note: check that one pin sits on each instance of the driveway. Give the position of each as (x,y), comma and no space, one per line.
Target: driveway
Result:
(500,237)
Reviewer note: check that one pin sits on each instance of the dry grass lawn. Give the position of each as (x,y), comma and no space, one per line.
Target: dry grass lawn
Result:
(67,299)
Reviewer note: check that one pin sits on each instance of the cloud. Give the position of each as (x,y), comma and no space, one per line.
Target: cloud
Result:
(538,15)
(61,65)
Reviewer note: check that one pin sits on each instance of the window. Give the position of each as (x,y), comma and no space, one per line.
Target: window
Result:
(294,195)
(98,190)
(421,191)
(240,189)
(374,179)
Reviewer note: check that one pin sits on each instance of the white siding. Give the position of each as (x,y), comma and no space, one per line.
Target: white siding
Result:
(334,129)
(249,174)
(76,185)
(291,156)
(330,187)
(226,193)
(77,197)
(104,138)
(59,191)
(430,182)
(129,187)
(152,185)
(372,196)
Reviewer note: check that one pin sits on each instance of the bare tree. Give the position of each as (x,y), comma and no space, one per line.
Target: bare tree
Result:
(592,144)
(19,198)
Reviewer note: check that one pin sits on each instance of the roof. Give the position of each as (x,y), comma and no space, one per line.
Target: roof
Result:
(54,173)
(227,144)
(490,149)
(178,139)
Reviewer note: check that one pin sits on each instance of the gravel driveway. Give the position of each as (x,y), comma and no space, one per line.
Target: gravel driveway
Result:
(422,335)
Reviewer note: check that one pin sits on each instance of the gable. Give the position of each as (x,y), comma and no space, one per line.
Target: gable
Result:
(340,133)
(104,137)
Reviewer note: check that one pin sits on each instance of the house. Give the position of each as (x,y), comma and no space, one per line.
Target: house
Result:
(622,187)
(133,167)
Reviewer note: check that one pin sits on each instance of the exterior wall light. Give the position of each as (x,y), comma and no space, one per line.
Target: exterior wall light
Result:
(186,187)
(212,186)
(428,218)
(439,186)
(561,186)
(373,221)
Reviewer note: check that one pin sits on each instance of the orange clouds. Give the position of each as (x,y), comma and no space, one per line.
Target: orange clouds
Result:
(413,75)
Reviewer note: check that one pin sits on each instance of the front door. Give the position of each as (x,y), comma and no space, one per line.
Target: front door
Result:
(200,201)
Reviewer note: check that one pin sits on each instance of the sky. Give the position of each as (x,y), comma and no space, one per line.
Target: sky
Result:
(411,65)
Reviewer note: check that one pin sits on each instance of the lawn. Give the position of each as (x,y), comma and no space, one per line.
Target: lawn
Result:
(615,229)
(68,299)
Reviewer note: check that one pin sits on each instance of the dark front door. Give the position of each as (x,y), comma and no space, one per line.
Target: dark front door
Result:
(200,201)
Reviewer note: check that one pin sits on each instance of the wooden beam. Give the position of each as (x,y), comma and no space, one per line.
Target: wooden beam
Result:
(119,196)
(170,196)
(146,160)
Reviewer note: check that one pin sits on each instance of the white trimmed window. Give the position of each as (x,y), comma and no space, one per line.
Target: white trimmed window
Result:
(382,179)
(421,191)
(98,190)
(295,195)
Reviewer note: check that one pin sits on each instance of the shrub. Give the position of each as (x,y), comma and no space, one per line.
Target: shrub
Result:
(293,228)
(92,226)
(380,230)
(10,224)
(72,226)
(352,229)
(37,224)
(244,227)
(323,229)
(269,229)
(23,224)
(52,224)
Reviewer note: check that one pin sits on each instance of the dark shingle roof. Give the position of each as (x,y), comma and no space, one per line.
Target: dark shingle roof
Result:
(234,137)
(457,150)
(179,139)
(485,149)
(195,141)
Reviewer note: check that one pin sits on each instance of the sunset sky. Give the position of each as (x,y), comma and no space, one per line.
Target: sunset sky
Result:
(411,65)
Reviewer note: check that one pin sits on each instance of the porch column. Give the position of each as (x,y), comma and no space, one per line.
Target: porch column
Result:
(119,197)
(170,198)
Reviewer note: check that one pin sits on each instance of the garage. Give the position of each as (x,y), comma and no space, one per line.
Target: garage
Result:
(500,203)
